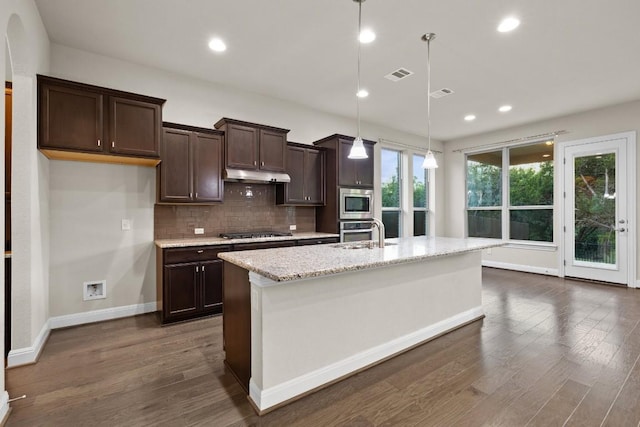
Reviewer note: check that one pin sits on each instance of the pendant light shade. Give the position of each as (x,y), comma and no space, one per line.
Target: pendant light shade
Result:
(357,149)
(429,159)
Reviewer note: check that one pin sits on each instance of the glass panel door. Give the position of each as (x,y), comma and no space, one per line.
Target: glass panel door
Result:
(596,230)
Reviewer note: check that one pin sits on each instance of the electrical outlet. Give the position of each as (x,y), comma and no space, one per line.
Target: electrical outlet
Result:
(198,230)
(126,224)
(292,227)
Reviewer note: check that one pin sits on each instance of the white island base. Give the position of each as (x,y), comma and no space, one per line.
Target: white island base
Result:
(308,333)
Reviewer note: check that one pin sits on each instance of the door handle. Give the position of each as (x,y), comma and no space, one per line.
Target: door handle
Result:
(622,229)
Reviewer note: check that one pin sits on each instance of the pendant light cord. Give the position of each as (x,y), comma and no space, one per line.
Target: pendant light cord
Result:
(429,93)
(359,47)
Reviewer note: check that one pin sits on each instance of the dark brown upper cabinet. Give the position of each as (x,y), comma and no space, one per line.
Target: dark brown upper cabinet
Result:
(252,146)
(90,123)
(306,167)
(191,167)
(349,172)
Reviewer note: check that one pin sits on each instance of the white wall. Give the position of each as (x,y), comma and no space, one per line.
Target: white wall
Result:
(29,54)
(603,121)
(88,202)
(106,250)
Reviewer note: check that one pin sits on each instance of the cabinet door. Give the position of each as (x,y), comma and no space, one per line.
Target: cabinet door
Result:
(207,167)
(134,127)
(70,119)
(211,282)
(295,168)
(242,147)
(346,166)
(175,168)
(273,150)
(181,290)
(364,168)
(314,176)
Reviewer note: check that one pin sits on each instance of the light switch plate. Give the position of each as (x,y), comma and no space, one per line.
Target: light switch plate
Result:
(126,224)
(198,230)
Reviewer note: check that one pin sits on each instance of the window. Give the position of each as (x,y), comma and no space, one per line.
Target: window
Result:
(484,194)
(390,188)
(420,197)
(405,192)
(525,174)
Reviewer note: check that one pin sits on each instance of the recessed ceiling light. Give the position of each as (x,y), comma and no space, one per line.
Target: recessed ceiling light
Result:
(362,93)
(217,45)
(367,36)
(470,117)
(505,108)
(508,24)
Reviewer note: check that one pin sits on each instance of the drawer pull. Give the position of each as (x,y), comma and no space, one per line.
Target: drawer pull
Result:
(200,251)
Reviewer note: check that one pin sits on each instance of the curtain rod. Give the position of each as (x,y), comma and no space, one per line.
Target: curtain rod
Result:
(511,141)
(400,144)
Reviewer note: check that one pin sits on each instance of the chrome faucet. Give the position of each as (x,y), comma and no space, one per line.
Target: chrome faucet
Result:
(377,223)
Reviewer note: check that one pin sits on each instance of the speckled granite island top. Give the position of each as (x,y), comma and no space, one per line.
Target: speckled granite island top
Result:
(211,241)
(300,262)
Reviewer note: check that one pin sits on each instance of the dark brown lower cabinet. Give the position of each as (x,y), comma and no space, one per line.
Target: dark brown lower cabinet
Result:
(190,282)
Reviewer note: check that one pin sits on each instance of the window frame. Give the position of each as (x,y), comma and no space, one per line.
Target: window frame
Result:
(506,207)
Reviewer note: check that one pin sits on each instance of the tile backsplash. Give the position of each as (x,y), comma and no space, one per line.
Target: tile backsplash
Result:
(246,207)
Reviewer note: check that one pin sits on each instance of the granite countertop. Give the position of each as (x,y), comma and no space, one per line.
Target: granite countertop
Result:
(285,264)
(210,241)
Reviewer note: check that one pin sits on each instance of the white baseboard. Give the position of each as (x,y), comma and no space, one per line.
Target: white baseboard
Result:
(520,267)
(265,399)
(27,355)
(101,315)
(4,407)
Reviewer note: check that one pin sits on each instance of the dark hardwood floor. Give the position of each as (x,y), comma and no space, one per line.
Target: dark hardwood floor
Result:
(550,352)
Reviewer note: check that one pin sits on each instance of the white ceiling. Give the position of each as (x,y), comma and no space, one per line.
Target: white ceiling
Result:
(566,56)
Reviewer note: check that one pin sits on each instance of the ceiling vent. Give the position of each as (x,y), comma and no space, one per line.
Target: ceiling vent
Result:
(441,93)
(398,74)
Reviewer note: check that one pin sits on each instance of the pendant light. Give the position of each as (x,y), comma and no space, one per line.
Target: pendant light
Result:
(357,149)
(429,158)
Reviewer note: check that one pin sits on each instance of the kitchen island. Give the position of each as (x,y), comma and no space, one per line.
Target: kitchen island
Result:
(297,319)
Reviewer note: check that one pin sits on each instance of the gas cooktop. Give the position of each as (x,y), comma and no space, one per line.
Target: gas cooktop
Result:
(253,234)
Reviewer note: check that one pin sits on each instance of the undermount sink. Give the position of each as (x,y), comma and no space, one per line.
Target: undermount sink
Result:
(367,244)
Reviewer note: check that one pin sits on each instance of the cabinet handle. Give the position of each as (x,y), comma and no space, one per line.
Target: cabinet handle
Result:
(254,163)
(191,195)
(196,195)
(200,251)
(196,268)
(261,163)
(99,143)
(203,268)
(113,144)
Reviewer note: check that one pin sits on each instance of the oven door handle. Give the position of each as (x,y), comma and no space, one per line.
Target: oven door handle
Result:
(363,230)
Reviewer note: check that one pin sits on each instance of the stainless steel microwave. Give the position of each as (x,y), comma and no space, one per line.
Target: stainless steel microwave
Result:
(356,203)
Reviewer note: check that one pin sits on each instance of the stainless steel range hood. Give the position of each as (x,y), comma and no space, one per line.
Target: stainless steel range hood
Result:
(254,176)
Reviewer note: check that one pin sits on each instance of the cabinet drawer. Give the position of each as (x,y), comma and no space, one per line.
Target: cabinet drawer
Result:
(318,241)
(194,253)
